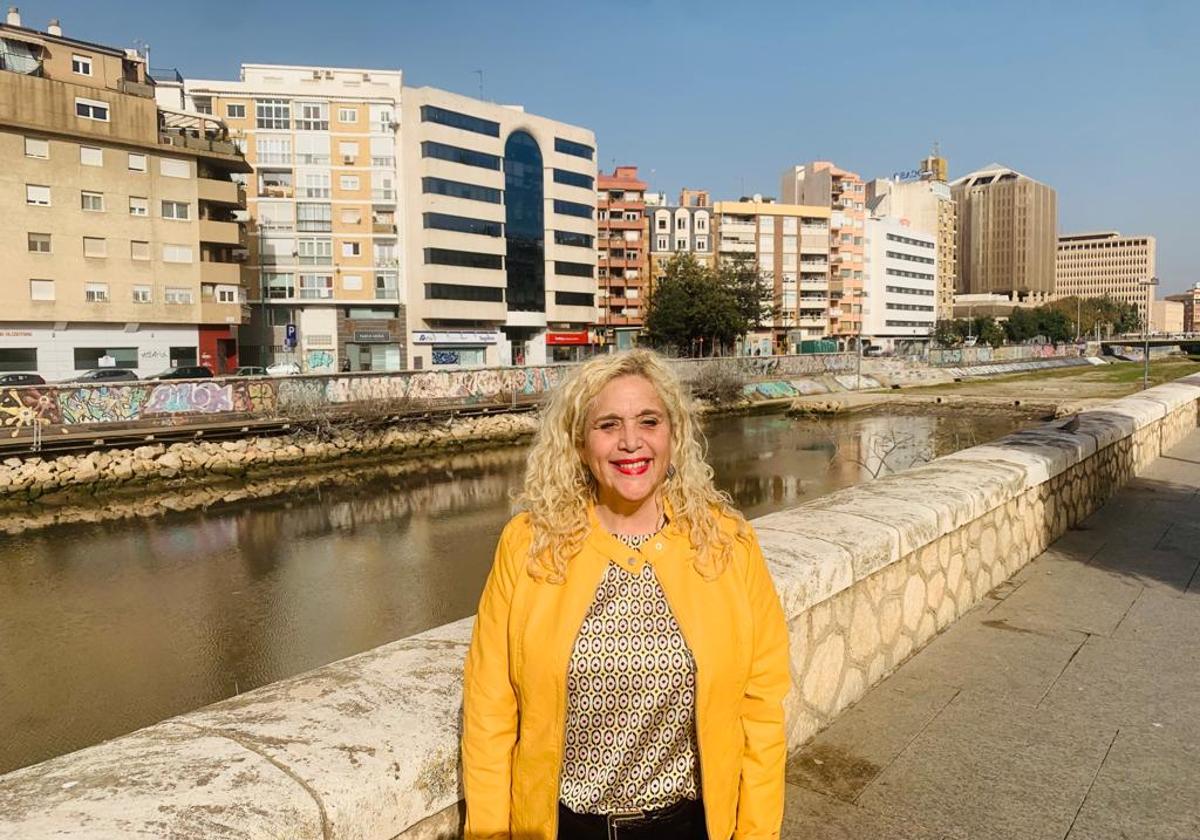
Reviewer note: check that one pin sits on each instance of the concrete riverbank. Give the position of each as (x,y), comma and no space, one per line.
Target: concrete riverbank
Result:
(367,747)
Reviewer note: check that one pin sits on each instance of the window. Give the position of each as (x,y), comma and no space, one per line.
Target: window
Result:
(92,201)
(137,163)
(41,290)
(573,269)
(312,116)
(570,147)
(383,151)
(177,253)
(456,154)
(88,358)
(314,218)
(81,65)
(91,156)
(91,109)
(351,216)
(278,286)
(37,148)
(141,294)
(139,250)
(349,182)
(458,189)
(352,282)
(351,249)
(178,210)
(313,149)
(235,110)
(524,224)
(95,292)
(571,208)
(316,286)
(174,294)
(462,224)
(574,299)
(315,251)
(573,179)
(314,185)
(273,150)
(442,116)
(37,195)
(348,115)
(202,104)
(272,113)
(139,206)
(95,246)
(173,168)
(462,259)
(227,294)
(39,243)
(566,237)
(451,291)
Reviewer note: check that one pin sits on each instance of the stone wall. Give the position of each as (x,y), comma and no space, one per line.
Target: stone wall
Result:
(368,747)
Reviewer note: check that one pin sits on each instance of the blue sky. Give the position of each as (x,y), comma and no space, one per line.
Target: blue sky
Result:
(1099,100)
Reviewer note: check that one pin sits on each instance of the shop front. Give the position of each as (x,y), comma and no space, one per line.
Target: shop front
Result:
(218,348)
(569,345)
(372,349)
(453,348)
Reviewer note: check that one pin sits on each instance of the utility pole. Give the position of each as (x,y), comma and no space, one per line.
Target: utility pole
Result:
(1148,283)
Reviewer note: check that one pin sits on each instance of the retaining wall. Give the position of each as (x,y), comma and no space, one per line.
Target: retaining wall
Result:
(368,747)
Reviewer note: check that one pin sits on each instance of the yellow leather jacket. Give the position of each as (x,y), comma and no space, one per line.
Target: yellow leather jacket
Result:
(515,693)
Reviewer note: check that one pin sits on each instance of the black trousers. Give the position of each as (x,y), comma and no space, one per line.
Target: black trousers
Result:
(683,821)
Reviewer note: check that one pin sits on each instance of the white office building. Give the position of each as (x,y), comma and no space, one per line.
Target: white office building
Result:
(901,288)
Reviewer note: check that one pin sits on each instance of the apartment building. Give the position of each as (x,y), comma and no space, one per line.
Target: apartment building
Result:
(820,183)
(623,259)
(120,241)
(902,284)
(1191,303)
(925,202)
(1106,264)
(790,244)
(500,233)
(685,227)
(324,211)
(1007,227)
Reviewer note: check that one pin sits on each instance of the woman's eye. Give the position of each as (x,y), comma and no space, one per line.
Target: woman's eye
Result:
(650,421)
(608,425)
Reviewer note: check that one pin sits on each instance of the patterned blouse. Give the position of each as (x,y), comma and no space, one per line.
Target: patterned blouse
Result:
(631,697)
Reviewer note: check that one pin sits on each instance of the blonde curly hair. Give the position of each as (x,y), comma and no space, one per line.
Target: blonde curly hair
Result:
(559,486)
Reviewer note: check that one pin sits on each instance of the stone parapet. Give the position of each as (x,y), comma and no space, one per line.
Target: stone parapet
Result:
(367,747)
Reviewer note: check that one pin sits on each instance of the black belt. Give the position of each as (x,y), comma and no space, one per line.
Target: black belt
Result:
(684,819)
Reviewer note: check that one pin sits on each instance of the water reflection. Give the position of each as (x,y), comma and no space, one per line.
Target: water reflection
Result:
(108,627)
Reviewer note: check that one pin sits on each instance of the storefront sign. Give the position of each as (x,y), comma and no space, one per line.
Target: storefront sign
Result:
(559,338)
(462,337)
(372,336)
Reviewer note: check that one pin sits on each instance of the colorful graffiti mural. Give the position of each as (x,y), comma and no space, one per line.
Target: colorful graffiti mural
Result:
(24,408)
(190,398)
(102,404)
(983,354)
(319,361)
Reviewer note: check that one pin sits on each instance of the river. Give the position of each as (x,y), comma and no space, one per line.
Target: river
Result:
(110,627)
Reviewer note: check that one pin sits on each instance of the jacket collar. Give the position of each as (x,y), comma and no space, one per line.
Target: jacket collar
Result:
(606,544)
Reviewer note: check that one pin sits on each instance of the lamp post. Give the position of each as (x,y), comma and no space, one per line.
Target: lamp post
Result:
(1148,282)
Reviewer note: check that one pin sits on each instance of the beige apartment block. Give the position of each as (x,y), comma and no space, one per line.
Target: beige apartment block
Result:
(1007,227)
(623,258)
(790,244)
(926,204)
(682,228)
(1191,303)
(324,207)
(499,232)
(1166,316)
(121,241)
(820,183)
(1106,264)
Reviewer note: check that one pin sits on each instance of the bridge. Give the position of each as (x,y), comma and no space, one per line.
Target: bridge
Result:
(368,747)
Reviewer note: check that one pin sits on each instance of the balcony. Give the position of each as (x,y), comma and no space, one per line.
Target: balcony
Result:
(222,233)
(621,224)
(383,196)
(221,192)
(216,312)
(228,274)
(383,227)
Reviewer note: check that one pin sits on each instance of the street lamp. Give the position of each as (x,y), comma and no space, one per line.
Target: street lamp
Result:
(1148,282)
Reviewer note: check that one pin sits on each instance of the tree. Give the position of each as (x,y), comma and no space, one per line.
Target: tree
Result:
(692,303)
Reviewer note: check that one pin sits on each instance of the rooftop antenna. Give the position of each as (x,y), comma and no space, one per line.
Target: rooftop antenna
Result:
(480,74)
(937,149)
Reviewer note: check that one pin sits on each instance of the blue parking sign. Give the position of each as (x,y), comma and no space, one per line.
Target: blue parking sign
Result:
(289,337)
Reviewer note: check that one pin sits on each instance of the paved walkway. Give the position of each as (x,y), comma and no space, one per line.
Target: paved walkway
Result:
(1066,706)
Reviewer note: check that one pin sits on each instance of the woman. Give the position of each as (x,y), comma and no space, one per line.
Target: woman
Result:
(629,660)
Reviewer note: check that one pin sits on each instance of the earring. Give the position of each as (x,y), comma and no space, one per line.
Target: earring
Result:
(670,471)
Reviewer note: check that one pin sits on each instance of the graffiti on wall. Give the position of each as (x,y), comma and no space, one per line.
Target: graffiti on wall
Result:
(319,361)
(190,398)
(983,354)
(103,404)
(25,408)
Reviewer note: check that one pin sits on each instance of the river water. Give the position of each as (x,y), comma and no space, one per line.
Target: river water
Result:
(107,628)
